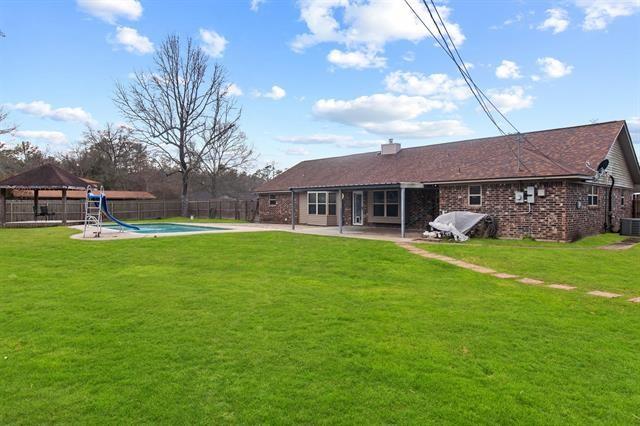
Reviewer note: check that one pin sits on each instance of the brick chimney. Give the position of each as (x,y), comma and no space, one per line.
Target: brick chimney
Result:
(390,148)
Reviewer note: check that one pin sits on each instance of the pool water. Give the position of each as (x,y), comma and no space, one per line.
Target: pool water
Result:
(166,228)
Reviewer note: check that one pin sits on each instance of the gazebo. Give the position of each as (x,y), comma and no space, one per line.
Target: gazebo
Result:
(46,177)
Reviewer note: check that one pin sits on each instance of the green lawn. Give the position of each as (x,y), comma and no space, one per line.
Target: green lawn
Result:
(583,264)
(285,329)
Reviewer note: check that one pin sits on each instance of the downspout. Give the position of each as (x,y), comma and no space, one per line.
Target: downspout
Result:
(609,217)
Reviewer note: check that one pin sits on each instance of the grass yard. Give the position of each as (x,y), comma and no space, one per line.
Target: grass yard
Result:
(284,328)
(582,264)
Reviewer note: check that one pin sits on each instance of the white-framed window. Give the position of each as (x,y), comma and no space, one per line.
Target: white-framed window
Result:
(273,200)
(475,195)
(622,199)
(592,196)
(386,203)
(321,203)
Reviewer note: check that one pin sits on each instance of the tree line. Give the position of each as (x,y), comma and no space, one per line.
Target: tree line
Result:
(181,136)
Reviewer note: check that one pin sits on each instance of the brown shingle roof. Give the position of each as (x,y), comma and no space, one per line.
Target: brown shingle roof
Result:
(557,152)
(46,176)
(80,195)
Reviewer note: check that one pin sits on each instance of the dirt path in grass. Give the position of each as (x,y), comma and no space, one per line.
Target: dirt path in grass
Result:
(502,275)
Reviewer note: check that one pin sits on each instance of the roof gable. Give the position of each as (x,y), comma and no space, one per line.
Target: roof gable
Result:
(47,176)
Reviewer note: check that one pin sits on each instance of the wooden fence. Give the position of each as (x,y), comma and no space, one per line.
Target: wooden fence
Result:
(22,210)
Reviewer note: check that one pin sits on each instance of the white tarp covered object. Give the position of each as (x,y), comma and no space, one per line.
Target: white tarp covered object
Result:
(457,223)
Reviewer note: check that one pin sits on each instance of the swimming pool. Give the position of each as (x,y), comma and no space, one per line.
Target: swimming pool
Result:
(166,228)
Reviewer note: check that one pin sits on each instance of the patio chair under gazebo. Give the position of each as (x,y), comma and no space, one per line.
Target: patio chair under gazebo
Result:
(46,177)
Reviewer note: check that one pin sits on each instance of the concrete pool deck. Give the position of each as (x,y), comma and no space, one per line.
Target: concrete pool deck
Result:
(381,234)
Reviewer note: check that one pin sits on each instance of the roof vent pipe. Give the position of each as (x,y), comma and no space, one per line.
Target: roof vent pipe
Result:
(390,148)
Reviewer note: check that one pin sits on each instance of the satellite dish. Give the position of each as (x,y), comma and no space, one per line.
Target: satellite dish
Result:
(603,166)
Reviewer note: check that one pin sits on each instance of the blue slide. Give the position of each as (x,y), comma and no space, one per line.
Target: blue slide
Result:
(105,210)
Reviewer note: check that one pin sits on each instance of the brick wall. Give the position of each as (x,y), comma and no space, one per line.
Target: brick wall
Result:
(421,207)
(588,220)
(545,220)
(280,213)
(347,203)
(552,217)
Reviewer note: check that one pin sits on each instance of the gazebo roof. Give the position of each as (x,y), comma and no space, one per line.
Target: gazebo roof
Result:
(46,176)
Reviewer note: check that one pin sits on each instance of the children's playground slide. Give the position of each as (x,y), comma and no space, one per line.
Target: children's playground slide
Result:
(105,209)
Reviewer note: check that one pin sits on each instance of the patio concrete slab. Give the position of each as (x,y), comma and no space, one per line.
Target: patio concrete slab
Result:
(530,281)
(604,294)
(562,287)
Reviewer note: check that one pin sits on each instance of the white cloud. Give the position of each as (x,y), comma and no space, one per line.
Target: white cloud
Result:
(600,13)
(510,99)
(409,56)
(508,69)
(132,41)
(377,108)
(110,10)
(557,20)
(434,86)
(518,18)
(44,110)
(357,59)
(365,25)
(341,141)
(255,5)
(634,128)
(387,114)
(553,68)
(298,151)
(46,135)
(535,77)
(213,43)
(276,93)
(234,90)
(418,129)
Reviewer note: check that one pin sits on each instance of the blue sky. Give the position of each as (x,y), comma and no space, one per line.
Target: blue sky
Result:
(329,77)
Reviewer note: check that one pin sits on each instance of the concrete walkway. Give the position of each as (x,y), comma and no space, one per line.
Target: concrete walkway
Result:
(483,270)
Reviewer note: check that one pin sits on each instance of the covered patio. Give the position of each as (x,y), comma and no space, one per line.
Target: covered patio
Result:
(43,178)
(383,209)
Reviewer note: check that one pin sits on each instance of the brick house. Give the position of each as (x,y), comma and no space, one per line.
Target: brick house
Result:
(537,185)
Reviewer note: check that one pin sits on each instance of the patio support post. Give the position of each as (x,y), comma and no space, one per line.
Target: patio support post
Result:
(339,208)
(64,206)
(35,204)
(402,211)
(3,206)
(293,210)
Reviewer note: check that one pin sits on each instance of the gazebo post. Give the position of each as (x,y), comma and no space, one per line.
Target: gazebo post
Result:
(64,206)
(3,207)
(35,204)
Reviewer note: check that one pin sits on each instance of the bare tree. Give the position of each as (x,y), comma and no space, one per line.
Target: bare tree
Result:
(179,109)
(229,152)
(4,127)
(115,153)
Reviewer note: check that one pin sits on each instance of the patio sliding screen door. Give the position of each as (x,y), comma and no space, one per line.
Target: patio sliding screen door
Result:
(358,207)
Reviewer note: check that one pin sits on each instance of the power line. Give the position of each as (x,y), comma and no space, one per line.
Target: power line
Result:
(520,134)
(475,90)
(465,76)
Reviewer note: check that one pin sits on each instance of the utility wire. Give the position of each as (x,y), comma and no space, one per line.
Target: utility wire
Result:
(465,76)
(475,90)
(519,133)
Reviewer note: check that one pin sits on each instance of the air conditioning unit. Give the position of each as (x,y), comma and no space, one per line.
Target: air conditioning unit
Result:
(630,226)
